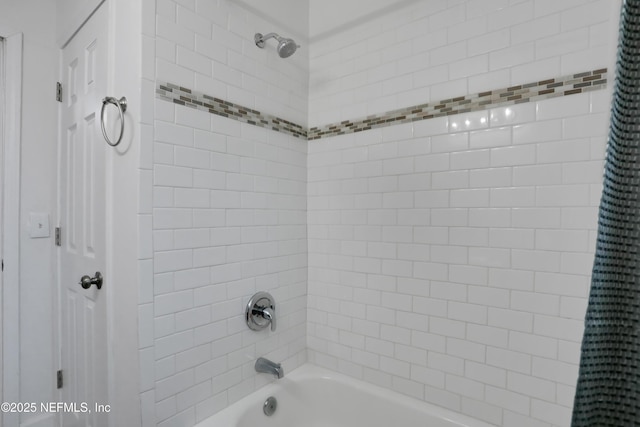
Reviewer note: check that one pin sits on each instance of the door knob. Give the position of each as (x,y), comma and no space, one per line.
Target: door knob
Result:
(87,281)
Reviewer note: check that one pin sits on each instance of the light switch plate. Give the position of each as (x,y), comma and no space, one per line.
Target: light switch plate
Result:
(39,225)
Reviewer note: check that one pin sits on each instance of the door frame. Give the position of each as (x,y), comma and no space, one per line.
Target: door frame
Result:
(10,296)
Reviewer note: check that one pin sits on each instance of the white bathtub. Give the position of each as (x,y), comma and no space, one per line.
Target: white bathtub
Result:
(315,397)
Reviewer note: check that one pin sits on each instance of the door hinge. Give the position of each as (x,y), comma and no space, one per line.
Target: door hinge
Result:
(58,237)
(59,378)
(2,265)
(58,91)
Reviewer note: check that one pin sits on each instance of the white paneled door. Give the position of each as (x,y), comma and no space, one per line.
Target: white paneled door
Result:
(82,251)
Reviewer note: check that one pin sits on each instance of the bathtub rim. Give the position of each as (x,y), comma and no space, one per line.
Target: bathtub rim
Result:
(234,411)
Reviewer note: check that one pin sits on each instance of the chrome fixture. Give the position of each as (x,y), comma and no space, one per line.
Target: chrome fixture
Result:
(270,405)
(121,105)
(286,47)
(266,366)
(261,311)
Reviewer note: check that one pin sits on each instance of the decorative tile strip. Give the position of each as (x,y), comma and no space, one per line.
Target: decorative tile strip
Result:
(545,89)
(536,91)
(189,98)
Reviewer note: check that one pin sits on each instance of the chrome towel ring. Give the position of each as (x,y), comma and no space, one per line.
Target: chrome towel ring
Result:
(122,107)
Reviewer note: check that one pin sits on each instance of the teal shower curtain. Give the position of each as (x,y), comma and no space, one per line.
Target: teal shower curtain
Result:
(608,389)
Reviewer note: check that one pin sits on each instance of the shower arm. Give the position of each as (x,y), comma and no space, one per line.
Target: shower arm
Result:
(260,39)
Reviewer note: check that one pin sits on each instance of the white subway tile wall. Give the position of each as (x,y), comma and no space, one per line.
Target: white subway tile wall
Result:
(208,46)
(474,233)
(457,277)
(225,213)
(219,236)
(433,50)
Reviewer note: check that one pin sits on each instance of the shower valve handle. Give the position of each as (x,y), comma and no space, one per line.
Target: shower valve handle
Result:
(260,312)
(269,314)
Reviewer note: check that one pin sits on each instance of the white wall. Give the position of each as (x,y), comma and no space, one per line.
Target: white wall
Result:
(70,14)
(228,215)
(126,198)
(39,136)
(453,266)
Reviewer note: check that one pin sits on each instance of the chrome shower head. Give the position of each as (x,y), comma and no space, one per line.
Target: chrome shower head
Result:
(286,47)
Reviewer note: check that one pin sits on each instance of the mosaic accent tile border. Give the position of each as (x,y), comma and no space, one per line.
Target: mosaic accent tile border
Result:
(189,98)
(545,89)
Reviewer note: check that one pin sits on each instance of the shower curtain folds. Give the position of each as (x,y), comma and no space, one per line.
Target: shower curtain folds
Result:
(608,389)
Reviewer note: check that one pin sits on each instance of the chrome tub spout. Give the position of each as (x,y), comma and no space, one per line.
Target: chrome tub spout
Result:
(268,367)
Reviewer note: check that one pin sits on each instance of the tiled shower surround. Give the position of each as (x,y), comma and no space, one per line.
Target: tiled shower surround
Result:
(445,257)
(449,259)
(229,215)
